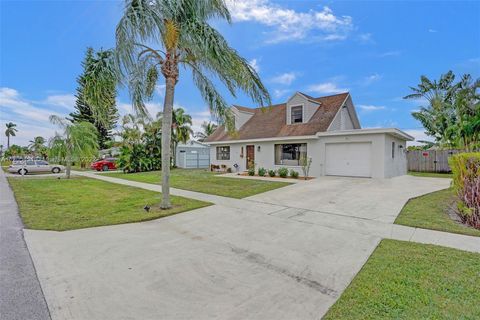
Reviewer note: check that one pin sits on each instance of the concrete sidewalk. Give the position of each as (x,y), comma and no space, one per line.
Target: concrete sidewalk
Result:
(21,296)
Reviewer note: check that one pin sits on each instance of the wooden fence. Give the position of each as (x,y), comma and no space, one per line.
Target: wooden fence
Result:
(429,160)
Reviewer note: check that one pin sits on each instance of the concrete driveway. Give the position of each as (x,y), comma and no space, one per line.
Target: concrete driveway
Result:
(374,199)
(224,261)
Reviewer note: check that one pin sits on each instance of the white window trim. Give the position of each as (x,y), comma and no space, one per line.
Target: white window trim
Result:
(288,165)
(303,112)
(229,153)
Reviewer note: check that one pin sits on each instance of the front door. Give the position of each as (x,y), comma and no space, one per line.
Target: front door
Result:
(250,156)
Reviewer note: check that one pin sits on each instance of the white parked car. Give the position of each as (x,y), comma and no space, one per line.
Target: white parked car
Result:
(31,166)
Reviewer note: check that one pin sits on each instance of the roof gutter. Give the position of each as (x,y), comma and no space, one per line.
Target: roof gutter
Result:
(391,131)
(287,138)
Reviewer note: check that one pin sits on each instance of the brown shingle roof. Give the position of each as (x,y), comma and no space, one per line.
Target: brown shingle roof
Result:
(270,122)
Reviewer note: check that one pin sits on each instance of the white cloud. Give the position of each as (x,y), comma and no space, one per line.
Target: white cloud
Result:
(285,78)
(11,98)
(31,120)
(278,93)
(288,24)
(365,107)
(432,31)
(326,88)
(198,118)
(66,101)
(371,79)
(14,107)
(365,38)
(418,134)
(254,63)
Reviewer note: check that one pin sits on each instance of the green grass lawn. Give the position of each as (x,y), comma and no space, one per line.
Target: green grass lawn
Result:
(206,182)
(430,212)
(430,174)
(404,280)
(61,204)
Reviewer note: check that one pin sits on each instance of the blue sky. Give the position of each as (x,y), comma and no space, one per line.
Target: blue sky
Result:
(375,50)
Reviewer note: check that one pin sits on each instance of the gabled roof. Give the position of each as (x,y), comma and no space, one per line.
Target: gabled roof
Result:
(245,109)
(270,121)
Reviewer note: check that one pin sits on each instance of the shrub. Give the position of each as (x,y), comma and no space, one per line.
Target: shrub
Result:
(305,162)
(294,174)
(283,172)
(251,171)
(271,173)
(229,170)
(262,172)
(466,182)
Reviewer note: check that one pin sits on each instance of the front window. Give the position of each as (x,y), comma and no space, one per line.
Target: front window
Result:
(42,163)
(223,153)
(296,114)
(290,154)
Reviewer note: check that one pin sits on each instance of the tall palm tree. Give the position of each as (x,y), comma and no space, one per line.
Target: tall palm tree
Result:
(10,132)
(181,130)
(156,37)
(208,128)
(37,145)
(77,142)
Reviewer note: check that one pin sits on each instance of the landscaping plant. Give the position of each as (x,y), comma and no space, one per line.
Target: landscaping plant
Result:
(251,171)
(283,172)
(466,182)
(271,173)
(294,174)
(78,141)
(262,172)
(305,163)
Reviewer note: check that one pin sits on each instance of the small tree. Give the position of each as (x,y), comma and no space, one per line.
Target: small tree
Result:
(305,163)
(78,140)
(10,132)
(208,128)
(37,146)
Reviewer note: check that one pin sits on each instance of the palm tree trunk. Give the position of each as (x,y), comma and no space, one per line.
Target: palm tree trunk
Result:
(8,142)
(68,167)
(166,140)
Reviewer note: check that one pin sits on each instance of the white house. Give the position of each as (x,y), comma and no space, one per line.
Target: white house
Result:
(325,129)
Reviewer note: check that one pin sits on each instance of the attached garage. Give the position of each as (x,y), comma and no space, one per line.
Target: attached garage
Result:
(370,153)
(352,159)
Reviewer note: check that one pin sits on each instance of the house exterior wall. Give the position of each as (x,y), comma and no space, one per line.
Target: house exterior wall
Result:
(309,107)
(265,157)
(342,121)
(382,165)
(397,165)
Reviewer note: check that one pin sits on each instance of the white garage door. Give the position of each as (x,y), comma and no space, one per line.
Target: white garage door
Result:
(348,159)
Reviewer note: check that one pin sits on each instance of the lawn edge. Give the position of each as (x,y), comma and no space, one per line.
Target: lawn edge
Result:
(426,228)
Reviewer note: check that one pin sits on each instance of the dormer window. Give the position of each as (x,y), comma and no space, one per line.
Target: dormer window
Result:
(296,114)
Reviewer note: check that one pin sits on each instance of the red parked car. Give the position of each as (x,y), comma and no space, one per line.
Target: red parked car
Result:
(104,164)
